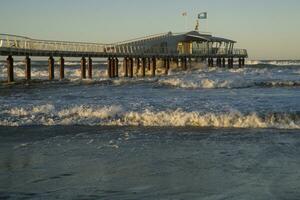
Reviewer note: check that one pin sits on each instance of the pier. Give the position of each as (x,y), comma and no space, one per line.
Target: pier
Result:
(141,54)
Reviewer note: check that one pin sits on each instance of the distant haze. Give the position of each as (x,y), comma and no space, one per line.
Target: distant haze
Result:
(268,29)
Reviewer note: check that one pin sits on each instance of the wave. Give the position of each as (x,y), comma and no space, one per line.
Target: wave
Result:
(206,83)
(202,83)
(48,115)
(274,62)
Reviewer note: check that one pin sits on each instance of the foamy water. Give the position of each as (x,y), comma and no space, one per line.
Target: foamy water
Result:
(256,96)
(204,133)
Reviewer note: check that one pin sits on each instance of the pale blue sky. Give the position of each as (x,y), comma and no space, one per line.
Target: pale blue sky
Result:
(269,29)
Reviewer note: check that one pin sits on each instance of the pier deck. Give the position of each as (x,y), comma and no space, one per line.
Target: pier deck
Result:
(144,51)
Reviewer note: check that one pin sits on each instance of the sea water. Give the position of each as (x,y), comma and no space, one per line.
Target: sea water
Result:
(205,133)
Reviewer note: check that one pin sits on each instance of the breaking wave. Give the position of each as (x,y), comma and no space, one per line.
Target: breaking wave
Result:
(227,84)
(274,62)
(116,116)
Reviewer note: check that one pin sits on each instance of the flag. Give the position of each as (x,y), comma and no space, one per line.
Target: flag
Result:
(184,14)
(202,15)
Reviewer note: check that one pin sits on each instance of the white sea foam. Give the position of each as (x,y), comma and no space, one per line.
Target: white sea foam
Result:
(274,62)
(116,116)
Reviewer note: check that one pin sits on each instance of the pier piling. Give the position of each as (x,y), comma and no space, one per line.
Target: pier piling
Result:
(144,67)
(131,68)
(125,67)
(116,67)
(10,69)
(153,69)
(62,68)
(27,68)
(83,68)
(51,67)
(90,68)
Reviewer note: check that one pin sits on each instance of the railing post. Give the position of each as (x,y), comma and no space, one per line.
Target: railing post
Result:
(10,69)
(27,68)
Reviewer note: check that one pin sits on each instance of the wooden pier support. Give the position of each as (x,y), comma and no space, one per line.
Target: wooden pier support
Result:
(230,62)
(190,62)
(149,64)
(116,67)
(240,63)
(83,68)
(90,68)
(167,65)
(125,66)
(153,69)
(109,64)
(184,63)
(138,63)
(219,62)
(210,62)
(27,68)
(144,67)
(62,68)
(51,67)
(113,65)
(131,67)
(10,69)
(224,62)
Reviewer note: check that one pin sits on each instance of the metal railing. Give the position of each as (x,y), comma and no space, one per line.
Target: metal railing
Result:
(130,47)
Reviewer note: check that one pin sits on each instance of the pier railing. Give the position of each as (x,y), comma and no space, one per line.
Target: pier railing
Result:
(24,45)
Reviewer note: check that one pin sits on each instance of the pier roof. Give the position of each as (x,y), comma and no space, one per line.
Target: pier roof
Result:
(195,35)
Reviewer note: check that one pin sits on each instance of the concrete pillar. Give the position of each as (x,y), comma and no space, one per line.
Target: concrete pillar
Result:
(131,68)
(27,68)
(90,68)
(153,70)
(116,67)
(144,67)
(83,68)
(10,69)
(62,68)
(51,68)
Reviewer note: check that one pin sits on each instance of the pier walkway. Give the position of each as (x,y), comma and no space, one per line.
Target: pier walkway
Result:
(141,52)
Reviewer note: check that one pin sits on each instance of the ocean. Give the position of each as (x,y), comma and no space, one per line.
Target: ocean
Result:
(205,133)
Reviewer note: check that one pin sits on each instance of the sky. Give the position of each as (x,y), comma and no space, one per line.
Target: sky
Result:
(268,29)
